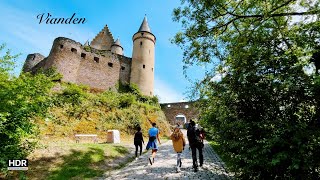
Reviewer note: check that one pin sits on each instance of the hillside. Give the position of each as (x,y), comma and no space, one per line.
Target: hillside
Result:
(75,109)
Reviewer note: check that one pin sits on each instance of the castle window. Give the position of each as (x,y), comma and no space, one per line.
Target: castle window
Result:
(61,46)
(152,69)
(73,50)
(144,66)
(142,34)
(83,55)
(96,59)
(150,93)
(123,68)
(140,43)
(110,64)
(149,51)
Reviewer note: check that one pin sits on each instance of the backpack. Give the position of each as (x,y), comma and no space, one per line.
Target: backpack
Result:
(194,137)
(198,137)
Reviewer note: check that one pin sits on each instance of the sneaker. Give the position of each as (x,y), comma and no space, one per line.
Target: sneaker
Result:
(136,158)
(178,169)
(195,169)
(150,161)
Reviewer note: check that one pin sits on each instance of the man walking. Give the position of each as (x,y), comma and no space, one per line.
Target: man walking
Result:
(195,143)
(152,143)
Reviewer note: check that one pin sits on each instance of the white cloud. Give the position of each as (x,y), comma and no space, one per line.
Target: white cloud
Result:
(165,92)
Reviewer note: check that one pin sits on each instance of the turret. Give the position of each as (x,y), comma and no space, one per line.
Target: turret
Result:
(31,61)
(117,48)
(142,68)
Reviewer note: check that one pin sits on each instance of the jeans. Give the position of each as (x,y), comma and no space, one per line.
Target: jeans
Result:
(194,156)
(140,145)
(179,159)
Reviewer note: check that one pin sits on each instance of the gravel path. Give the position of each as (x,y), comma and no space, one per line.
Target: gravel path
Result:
(165,166)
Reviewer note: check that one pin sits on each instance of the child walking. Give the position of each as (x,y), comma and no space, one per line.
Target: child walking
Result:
(138,140)
(178,142)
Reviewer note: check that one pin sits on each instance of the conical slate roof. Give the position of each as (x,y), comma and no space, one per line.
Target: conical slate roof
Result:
(117,42)
(87,43)
(144,26)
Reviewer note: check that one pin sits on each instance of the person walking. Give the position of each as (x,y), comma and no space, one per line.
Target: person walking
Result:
(152,143)
(178,143)
(138,141)
(195,143)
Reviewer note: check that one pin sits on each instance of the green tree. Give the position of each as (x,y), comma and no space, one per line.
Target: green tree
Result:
(21,98)
(265,110)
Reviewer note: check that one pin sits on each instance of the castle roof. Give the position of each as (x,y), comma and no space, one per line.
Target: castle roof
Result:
(103,40)
(145,26)
(117,42)
(87,43)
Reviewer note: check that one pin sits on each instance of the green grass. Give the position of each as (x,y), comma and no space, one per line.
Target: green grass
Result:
(81,161)
(80,164)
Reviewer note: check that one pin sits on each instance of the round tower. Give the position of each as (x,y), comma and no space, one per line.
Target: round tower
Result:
(117,48)
(31,61)
(142,67)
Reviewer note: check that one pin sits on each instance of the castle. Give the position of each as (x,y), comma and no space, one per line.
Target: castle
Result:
(101,64)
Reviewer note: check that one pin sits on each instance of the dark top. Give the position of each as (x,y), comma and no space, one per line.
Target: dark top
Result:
(138,138)
(194,136)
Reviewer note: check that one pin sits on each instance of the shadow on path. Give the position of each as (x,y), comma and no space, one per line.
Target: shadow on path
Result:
(165,166)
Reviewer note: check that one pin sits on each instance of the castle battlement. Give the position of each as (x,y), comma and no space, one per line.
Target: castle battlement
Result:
(101,64)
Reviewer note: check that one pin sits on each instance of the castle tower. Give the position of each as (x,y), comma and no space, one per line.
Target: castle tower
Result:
(117,48)
(31,61)
(142,68)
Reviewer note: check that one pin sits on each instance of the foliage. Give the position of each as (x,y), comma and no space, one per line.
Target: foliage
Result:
(21,98)
(7,60)
(264,112)
(77,110)
(33,105)
(87,48)
(134,89)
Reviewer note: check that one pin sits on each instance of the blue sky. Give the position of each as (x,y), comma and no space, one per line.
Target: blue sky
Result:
(21,31)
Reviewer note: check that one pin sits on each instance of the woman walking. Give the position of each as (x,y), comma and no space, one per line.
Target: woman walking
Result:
(178,142)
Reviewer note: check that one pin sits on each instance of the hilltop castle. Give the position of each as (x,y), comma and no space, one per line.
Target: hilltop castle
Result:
(101,64)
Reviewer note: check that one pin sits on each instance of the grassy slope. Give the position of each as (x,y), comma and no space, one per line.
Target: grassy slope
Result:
(77,110)
(71,160)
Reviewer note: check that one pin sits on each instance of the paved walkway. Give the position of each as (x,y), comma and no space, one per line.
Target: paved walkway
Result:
(164,166)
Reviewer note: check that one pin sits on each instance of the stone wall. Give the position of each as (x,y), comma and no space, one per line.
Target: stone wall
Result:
(31,61)
(125,69)
(95,68)
(171,110)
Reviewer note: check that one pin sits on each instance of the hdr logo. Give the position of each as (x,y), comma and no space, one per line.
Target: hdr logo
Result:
(18,164)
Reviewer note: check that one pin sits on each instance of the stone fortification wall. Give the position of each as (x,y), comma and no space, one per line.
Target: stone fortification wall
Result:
(31,61)
(125,69)
(188,109)
(99,69)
